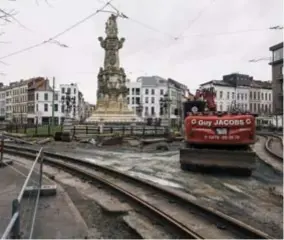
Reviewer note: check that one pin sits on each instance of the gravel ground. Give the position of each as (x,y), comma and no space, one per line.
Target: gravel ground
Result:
(276,146)
(108,225)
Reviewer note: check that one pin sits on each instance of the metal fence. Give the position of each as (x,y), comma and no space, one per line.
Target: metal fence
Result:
(25,206)
(122,130)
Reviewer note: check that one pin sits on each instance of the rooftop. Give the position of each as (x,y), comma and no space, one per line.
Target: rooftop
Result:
(277,46)
(244,82)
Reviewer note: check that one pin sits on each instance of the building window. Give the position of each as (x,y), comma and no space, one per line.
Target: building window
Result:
(62,108)
(258,95)
(152,100)
(36,96)
(269,96)
(238,96)
(246,96)
(128,100)
(138,100)
(137,91)
(63,90)
(153,91)
(133,100)
(55,107)
(128,90)
(261,96)
(46,107)
(74,90)
(228,95)
(250,95)
(161,91)
(56,97)
(146,91)
(221,94)
(221,107)
(46,96)
(69,90)
(254,95)
(146,100)
(265,96)
(277,54)
(233,95)
(146,111)
(133,91)
(242,96)
(37,107)
(152,111)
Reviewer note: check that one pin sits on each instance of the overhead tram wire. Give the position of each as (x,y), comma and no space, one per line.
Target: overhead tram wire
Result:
(57,35)
(176,38)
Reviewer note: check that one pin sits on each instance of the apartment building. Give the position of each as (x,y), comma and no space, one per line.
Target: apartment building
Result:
(261,97)
(147,93)
(2,101)
(134,98)
(13,100)
(31,102)
(277,81)
(78,109)
(240,91)
(40,106)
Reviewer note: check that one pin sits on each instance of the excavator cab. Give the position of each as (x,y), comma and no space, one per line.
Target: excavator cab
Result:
(193,107)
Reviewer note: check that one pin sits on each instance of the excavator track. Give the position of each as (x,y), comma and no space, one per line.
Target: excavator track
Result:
(241,162)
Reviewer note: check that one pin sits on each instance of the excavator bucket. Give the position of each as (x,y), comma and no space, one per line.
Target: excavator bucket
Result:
(239,162)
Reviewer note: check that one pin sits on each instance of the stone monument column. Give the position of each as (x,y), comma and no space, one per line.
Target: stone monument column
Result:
(112,91)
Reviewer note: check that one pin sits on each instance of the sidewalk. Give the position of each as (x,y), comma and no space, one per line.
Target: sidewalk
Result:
(57,217)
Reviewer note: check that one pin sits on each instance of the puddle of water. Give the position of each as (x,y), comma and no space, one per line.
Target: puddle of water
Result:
(154,179)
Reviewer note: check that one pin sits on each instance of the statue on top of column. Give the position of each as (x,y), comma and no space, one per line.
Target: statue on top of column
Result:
(111,26)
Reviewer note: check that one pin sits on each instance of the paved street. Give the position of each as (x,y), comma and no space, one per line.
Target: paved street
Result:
(56,215)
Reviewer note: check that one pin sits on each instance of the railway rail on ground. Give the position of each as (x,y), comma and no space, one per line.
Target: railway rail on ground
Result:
(172,208)
(274,146)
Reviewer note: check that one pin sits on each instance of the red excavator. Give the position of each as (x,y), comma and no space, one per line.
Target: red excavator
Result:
(217,140)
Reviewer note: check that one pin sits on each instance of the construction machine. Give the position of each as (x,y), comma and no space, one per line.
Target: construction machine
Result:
(217,140)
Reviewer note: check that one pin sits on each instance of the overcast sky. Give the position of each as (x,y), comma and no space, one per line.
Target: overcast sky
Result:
(191,41)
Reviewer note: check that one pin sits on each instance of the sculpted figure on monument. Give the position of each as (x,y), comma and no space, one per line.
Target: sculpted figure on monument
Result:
(103,42)
(120,43)
(111,26)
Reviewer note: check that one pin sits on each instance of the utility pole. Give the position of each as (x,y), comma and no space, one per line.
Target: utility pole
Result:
(53,94)
(169,106)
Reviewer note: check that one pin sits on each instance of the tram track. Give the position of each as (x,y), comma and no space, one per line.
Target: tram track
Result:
(269,148)
(174,208)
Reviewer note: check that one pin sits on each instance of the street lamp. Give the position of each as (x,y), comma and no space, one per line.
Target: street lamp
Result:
(165,104)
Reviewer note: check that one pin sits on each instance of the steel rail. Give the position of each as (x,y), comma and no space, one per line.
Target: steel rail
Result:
(269,150)
(235,224)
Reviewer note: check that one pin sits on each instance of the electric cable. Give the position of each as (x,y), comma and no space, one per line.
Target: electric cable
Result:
(57,35)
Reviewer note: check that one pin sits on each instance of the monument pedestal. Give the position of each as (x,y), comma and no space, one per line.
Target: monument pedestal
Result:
(113,112)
